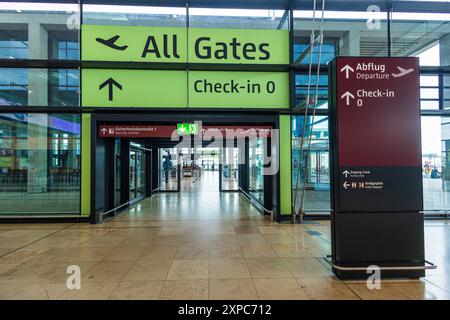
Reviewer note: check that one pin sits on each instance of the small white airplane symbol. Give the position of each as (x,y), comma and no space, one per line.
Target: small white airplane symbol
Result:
(403,72)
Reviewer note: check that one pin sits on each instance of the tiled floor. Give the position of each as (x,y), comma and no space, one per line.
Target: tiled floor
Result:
(211,246)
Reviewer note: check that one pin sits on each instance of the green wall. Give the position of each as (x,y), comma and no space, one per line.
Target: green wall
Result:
(285,165)
(85,164)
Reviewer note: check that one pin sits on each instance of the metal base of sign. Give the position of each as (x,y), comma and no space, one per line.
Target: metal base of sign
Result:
(392,241)
(390,274)
(386,271)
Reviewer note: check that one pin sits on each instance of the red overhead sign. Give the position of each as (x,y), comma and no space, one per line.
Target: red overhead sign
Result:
(135,131)
(166,131)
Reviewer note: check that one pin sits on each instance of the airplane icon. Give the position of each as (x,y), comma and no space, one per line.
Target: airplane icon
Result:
(111,43)
(403,72)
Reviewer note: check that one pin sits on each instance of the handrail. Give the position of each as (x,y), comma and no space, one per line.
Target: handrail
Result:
(254,201)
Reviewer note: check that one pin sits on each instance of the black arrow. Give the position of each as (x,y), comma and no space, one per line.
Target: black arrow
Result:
(110,82)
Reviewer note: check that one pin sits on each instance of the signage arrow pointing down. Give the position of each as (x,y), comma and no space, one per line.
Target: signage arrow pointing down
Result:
(347,95)
(347,70)
(110,82)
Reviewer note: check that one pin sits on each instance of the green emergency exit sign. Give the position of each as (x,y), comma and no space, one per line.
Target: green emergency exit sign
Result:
(187,128)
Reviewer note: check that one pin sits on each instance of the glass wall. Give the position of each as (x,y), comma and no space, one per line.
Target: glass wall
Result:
(236,18)
(302,82)
(168,169)
(346,33)
(435,167)
(413,33)
(314,156)
(230,164)
(39,31)
(134,15)
(39,87)
(427,36)
(50,31)
(140,174)
(39,163)
(256,164)
(118,172)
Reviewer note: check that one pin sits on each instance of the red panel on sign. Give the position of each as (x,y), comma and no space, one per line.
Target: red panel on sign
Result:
(378,111)
(135,131)
(165,131)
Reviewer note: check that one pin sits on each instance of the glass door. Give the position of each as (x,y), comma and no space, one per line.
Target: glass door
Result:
(169,170)
(140,174)
(137,174)
(255,168)
(132,175)
(118,172)
(229,169)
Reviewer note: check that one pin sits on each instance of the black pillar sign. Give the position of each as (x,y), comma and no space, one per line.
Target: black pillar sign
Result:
(376,172)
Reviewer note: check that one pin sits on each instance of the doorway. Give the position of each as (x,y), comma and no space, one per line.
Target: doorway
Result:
(147,166)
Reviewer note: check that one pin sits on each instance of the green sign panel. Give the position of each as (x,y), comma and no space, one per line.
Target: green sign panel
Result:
(130,43)
(224,89)
(133,88)
(187,128)
(239,46)
(164,89)
(198,45)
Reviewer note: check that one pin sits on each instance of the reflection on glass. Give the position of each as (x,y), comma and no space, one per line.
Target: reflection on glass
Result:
(302,53)
(39,163)
(208,159)
(423,34)
(134,15)
(346,33)
(301,90)
(140,174)
(39,31)
(230,169)
(169,169)
(236,18)
(118,168)
(435,163)
(39,87)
